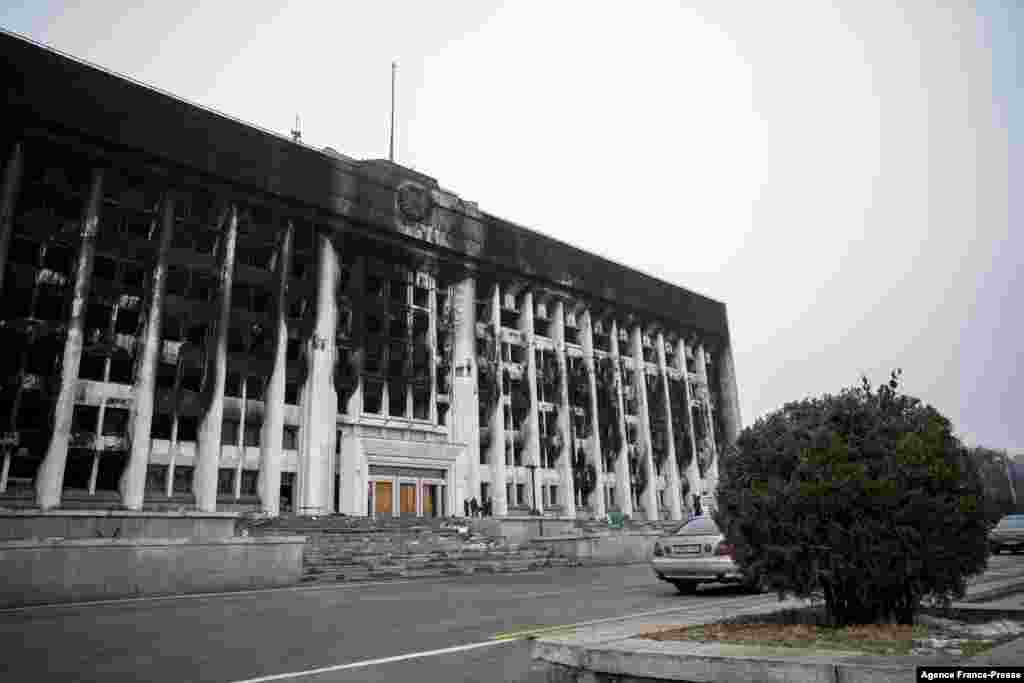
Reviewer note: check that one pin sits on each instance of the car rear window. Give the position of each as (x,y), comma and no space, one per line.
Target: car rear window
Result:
(699,525)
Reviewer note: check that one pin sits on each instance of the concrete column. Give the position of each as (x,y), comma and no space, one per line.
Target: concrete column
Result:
(133,478)
(354,470)
(729,401)
(8,200)
(674,499)
(596,501)
(432,361)
(236,488)
(465,397)
(319,398)
(532,437)
(173,448)
(622,485)
(692,471)
(5,470)
(50,477)
(272,432)
(649,497)
(711,476)
(567,488)
(496,449)
(204,476)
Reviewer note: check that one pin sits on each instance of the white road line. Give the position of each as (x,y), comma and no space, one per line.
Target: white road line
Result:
(694,609)
(508,638)
(372,662)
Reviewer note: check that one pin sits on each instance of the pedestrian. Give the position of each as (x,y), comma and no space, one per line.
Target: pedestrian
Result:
(487,507)
(465,507)
(474,507)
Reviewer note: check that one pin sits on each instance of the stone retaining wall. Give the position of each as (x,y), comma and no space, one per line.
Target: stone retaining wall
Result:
(38,572)
(614,546)
(33,524)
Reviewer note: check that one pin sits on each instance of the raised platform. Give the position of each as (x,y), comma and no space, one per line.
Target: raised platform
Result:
(35,524)
(72,570)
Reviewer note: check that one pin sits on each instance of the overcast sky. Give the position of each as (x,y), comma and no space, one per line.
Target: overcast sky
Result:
(839,175)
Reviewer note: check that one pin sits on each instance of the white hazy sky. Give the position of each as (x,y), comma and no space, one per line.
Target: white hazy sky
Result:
(838,174)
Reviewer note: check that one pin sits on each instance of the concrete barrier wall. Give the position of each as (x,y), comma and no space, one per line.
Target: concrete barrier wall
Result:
(520,530)
(33,524)
(94,569)
(608,547)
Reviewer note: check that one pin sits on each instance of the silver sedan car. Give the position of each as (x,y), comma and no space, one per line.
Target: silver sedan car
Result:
(697,553)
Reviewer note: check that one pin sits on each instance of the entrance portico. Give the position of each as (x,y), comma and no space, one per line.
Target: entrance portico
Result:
(406,491)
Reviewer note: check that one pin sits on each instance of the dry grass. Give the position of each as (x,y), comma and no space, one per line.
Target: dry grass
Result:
(874,638)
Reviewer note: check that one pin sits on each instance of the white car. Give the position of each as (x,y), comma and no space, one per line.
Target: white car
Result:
(697,553)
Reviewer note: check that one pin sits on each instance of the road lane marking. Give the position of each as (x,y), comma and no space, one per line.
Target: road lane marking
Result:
(372,662)
(499,639)
(527,633)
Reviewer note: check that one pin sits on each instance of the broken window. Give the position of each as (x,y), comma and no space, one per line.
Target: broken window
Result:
(229,433)
(421,402)
(85,419)
(290,438)
(396,398)
(373,396)
(115,421)
(161,426)
(92,367)
(225,481)
(121,369)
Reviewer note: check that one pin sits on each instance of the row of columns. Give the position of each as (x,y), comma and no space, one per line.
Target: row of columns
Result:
(466,422)
(317,430)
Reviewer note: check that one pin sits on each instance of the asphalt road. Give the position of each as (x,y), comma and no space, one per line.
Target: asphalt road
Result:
(346,629)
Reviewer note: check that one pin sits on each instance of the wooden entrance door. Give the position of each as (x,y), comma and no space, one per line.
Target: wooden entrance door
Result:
(408,499)
(382,498)
(429,492)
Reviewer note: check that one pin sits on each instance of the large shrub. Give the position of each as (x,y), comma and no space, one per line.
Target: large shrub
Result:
(865,500)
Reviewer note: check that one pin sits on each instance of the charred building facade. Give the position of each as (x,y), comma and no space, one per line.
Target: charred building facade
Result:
(196,313)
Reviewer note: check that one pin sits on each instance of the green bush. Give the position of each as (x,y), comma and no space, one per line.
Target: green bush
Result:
(865,500)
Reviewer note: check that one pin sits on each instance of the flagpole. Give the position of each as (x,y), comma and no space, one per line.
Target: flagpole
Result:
(391,145)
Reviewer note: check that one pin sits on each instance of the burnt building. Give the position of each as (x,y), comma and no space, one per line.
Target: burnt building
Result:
(200,314)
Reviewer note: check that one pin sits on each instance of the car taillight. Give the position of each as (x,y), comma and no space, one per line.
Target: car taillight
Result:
(723,548)
(658,552)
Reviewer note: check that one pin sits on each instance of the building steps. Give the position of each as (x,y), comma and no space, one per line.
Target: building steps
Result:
(353,549)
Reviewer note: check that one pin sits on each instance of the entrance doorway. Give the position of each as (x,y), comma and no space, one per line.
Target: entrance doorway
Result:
(430,507)
(382,498)
(408,499)
(287,489)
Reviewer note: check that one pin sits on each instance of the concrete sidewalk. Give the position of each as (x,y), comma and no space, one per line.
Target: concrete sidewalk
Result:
(613,649)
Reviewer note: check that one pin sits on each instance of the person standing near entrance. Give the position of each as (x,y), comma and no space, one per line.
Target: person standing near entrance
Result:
(465,507)
(474,507)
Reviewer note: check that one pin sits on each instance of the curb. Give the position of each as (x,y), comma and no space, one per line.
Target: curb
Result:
(996,592)
(572,658)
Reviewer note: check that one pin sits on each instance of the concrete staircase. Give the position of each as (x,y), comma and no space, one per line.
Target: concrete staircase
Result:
(359,549)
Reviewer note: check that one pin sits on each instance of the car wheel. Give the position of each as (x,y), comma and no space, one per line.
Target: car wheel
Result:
(996,550)
(685,587)
(758,585)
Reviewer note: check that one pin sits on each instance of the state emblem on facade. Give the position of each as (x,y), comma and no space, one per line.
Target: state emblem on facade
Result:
(414,203)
